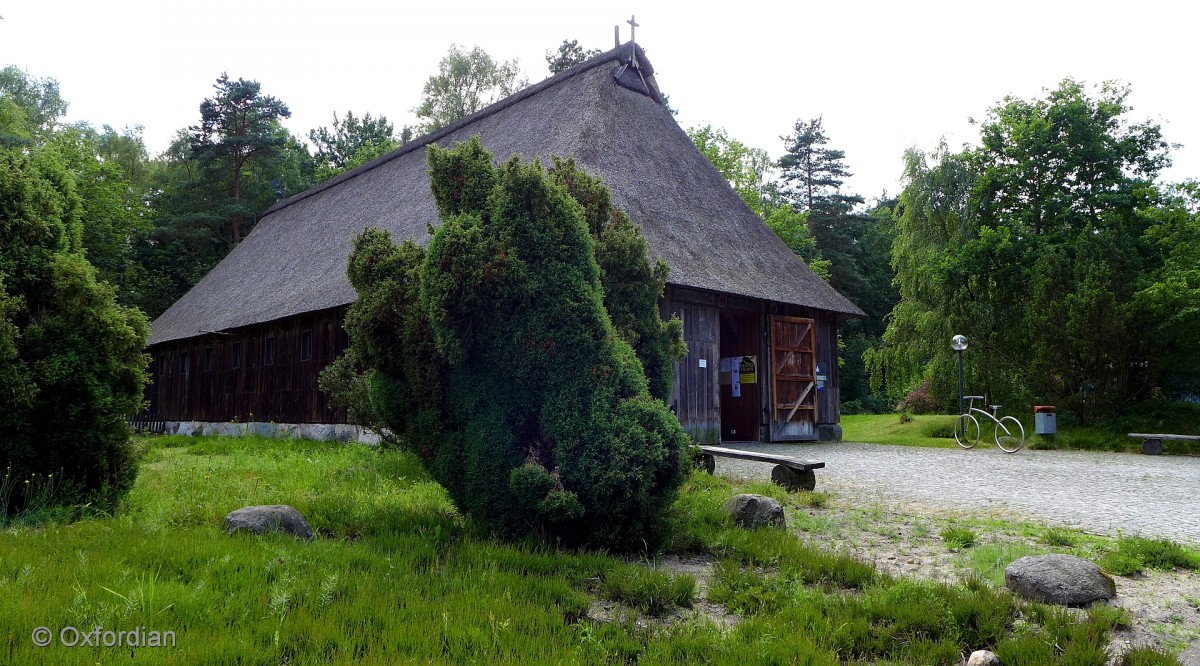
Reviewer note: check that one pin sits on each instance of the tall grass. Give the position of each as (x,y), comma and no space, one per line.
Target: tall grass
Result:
(398,576)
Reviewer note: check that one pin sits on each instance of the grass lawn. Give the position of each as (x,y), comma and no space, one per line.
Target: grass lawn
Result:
(923,430)
(397,576)
(937,430)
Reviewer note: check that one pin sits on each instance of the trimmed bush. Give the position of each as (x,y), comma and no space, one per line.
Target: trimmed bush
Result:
(492,354)
(72,364)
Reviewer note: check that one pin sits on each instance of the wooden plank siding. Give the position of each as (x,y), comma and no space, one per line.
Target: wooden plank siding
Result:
(196,379)
(696,398)
(829,403)
(265,372)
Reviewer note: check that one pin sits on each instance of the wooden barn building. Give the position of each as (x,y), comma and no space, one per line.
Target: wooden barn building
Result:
(247,342)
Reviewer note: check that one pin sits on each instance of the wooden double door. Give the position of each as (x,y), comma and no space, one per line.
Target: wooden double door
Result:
(793,403)
(777,401)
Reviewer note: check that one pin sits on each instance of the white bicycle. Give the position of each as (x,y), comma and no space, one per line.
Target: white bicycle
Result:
(1009,433)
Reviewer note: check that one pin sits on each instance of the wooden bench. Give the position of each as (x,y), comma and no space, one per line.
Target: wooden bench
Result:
(1152,444)
(791,473)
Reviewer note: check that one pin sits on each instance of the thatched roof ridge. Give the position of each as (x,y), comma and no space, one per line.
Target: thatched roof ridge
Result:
(620,54)
(605,114)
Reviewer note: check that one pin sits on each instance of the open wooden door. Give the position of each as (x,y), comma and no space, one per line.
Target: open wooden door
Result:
(793,379)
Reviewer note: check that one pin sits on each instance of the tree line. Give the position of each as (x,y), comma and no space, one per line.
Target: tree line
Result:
(1053,245)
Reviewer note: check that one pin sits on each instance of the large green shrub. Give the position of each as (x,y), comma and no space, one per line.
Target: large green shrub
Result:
(492,355)
(72,364)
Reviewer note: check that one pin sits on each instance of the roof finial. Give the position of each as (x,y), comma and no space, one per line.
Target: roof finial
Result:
(633,25)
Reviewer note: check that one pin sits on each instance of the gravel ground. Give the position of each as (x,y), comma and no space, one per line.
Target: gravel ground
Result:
(1099,493)
(887,503)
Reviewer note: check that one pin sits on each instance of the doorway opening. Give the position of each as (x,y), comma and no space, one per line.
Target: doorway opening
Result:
(741,376)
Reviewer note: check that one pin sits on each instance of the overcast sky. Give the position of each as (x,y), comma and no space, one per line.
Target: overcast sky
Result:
(885,75)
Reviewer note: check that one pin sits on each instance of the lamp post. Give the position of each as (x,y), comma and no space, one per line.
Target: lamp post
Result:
(958,343)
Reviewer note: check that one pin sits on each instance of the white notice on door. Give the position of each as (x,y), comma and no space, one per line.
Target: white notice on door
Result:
(704,363)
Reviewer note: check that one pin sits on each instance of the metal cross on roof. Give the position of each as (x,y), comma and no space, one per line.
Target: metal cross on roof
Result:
(633,25)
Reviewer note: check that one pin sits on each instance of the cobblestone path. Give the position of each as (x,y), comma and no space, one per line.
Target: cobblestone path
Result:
(1102,493)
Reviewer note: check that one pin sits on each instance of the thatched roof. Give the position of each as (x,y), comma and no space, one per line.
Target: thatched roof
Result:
(604,113)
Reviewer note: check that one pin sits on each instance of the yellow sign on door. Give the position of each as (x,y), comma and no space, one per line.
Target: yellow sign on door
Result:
(749,370)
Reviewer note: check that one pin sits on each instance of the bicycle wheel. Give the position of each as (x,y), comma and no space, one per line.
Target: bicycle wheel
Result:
(966,431)
(1010,434)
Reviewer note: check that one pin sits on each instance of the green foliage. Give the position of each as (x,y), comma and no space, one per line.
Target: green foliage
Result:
(1171,297)
(1143,656)
(957,537)
(1057,536)
(747,170)
(650,590)
(351,142)
(349,387)
(239,126)
(813,174)
(1133,554)
(213,183)
(72,365)
(569,54)
(631,283)
(466,82)
(1110,617)
(1034,246)
(37,102)
(493,356)
(744,167)
(113,212)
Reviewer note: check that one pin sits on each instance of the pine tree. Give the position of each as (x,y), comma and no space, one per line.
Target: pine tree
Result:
(239,126)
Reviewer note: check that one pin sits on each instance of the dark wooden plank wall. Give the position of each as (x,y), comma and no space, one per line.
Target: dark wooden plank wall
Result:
(695,397)
(286,391)
(196,379)
(828,399)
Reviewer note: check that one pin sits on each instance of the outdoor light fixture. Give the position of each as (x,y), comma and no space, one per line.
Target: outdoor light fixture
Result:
(959,343)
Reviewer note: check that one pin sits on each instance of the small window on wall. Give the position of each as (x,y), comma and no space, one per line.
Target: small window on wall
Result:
(162,364)
(236,354)
(306,347)
(269,350)
(183,363)
(208,355)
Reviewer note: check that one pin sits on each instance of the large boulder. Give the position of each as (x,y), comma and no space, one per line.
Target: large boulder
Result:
(269,518)
(1059,579)
(751,511)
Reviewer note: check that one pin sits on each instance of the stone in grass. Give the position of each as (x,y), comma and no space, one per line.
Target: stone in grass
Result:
(751,511)
(983,658)
(269,518)
(1059,579)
